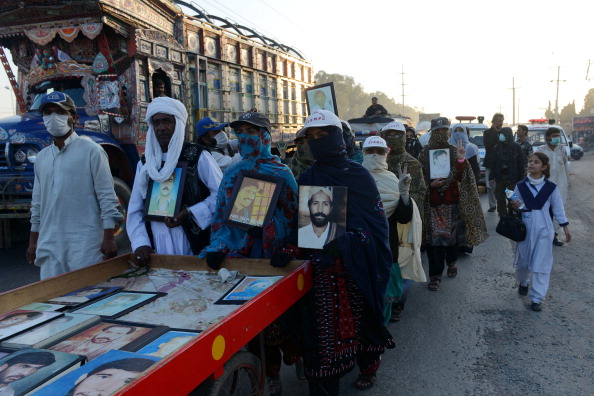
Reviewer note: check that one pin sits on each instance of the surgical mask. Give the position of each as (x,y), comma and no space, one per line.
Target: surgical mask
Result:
(555,141)
(222,140)
(502,137)
(56,124)
(374,162)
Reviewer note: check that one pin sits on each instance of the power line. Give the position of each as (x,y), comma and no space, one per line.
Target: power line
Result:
(288,19)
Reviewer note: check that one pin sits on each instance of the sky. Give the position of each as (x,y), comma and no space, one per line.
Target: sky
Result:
(459,57)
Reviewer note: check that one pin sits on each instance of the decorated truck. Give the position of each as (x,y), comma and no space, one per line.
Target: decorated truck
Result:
(109,55)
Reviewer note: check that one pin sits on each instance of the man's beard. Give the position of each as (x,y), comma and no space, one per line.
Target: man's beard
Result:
(319,219)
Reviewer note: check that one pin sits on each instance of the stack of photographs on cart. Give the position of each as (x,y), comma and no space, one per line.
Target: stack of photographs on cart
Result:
(122,327)
(50,347)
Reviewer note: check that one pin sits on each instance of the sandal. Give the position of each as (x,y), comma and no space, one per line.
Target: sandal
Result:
(434,284)
(365,381)
(452,271)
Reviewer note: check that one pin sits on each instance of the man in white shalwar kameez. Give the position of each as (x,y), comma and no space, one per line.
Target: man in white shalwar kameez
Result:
(559,165)
(187,231)
(74,208)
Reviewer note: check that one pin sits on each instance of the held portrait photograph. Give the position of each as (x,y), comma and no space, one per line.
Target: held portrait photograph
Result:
(23,371)
(164,198)
(439,163)
(103,376)
(322,215)
(253,200)
(321,97)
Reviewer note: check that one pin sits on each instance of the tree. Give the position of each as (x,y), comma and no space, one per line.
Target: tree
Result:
(549,114)
(353,100)
(567,114)
(588,108)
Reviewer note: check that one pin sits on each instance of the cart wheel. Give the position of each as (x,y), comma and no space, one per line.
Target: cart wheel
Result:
(241,378)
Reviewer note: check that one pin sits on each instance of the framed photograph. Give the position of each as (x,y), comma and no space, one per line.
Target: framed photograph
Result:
(104,375)
(439,163)
(164,198)
(29,368)
(168,343)
(42,307)
(84,295)
(247,288)
(48,333)
(119,304)
(321,97)
(322,215)
(17,321)
(253,200)
(107,335)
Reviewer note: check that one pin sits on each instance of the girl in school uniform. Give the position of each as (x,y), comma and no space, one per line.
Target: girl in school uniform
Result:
(534,255)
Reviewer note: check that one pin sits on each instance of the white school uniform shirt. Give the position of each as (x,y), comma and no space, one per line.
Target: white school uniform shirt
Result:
(559,170)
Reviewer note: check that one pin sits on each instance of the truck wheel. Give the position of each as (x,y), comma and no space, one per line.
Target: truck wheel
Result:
(123,193)
(241,378)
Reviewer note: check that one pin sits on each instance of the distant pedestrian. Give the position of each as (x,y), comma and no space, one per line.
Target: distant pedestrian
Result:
(450,200)
(413,146)
(490,141)
(506,162)
(559,165)
(534,255)
(375,109)
(522,139)
(74,208)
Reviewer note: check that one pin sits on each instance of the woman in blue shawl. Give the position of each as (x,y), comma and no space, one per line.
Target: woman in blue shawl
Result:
(256,156)
(342,316)
(253,135)
(460,133)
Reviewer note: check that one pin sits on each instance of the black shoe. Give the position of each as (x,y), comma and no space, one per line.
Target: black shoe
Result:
(492,209)
(523,290)
(557,242)
(536,307)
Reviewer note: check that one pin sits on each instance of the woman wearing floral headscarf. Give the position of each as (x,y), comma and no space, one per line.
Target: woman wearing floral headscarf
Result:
(450,200)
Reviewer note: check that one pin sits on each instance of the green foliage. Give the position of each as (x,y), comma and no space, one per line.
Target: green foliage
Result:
(588,108)
(353,100)
(567,113)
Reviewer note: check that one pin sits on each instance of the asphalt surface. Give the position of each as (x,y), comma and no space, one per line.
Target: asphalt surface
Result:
(476,335)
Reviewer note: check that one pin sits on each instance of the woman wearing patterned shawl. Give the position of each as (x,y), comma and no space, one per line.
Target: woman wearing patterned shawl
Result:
(342,316)
(302,159)
(459,133)
(253,135)
(449,201)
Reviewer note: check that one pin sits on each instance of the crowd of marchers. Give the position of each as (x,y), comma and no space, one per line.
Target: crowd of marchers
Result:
(402,198)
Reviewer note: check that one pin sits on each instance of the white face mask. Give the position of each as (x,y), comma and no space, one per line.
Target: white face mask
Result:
(56,124)
(375,162)
(222,140)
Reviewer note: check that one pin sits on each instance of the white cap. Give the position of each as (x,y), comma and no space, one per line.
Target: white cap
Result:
(319,118)
(375,141)
(394,126)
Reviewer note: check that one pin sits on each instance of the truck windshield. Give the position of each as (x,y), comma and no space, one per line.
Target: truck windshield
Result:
(71,88)
(476,136)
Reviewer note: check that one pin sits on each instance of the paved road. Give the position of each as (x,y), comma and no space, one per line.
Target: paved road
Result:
(477,336)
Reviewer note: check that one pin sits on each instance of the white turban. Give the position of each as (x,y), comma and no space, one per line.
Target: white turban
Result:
(153,153)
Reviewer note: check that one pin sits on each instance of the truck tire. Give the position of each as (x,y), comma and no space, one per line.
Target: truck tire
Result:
(123,193)
(242,377)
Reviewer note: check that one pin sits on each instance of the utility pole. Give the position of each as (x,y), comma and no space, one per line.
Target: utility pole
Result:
(402,85)
(513,88)
(557,98)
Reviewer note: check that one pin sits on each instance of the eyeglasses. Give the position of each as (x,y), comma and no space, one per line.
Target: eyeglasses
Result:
(393,137)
